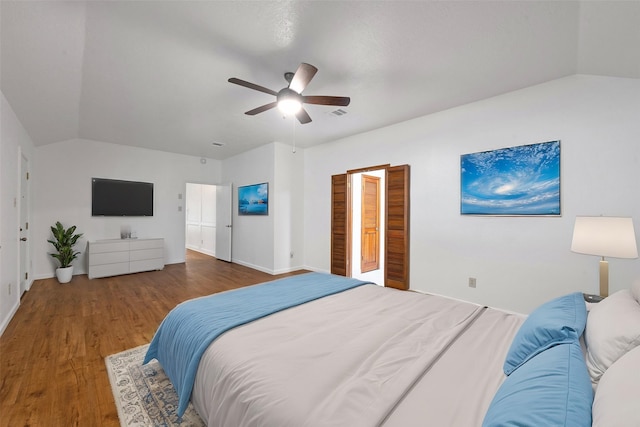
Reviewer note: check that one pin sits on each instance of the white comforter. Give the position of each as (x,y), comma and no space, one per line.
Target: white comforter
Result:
(358,358)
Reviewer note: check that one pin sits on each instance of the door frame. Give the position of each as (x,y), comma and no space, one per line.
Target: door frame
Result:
(396,269)
(201,224)
(227,239)
(24,283)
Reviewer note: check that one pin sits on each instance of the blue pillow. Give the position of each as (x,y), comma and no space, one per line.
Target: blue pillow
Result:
(551,389)
(561,320)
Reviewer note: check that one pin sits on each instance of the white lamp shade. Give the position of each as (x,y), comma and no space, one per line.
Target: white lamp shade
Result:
(604,236)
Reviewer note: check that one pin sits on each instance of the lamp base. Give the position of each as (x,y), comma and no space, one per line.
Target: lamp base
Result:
(604,278)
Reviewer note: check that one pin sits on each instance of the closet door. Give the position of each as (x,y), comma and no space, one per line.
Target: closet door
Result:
(340,225)
(397,228)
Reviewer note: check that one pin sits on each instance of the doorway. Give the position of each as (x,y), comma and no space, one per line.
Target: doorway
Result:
(396,224)
(368,223)
(201,218)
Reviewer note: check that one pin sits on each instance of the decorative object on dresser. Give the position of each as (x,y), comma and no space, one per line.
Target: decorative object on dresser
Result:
(65,240)
(123,256)
(604,236)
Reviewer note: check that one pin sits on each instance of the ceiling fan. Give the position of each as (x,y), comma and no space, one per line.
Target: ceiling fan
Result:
(290,99)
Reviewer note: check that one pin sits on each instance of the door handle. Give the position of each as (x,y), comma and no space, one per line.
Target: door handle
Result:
(24,239)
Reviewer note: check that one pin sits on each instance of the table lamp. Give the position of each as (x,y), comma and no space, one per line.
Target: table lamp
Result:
(604,236)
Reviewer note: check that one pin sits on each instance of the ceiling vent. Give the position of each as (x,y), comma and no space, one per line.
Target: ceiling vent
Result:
(217,144)
(338,112)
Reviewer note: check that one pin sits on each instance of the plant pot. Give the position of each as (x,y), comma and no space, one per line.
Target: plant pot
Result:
(64,275)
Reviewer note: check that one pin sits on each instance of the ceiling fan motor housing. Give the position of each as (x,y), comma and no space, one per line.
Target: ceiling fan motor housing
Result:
(287,93)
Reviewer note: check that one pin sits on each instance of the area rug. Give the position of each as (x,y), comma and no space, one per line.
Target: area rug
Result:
(143,393)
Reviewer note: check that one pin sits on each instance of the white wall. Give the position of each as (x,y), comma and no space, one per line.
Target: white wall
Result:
(266,242)
(288,208)
(252,236)
(518,262)
(62,187)
(14,140)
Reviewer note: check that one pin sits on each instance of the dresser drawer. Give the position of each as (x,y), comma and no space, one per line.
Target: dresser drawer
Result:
(108,270)
(108,258)
(146,244)
(146,254)
(100,247)
(146,265)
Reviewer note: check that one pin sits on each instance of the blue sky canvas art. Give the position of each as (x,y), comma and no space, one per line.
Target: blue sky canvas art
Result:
(253,199)
(523,180)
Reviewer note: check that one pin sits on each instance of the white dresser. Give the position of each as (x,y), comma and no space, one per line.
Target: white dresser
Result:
(117,256)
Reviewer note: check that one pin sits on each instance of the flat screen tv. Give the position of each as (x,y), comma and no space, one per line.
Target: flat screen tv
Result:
(111,197)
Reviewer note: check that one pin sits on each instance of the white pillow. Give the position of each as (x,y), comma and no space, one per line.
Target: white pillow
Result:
(635,289)
(616,400)
(613,329)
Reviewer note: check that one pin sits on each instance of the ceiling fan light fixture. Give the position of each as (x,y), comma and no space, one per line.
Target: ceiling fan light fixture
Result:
(289,102)
(290,99)
(289,107)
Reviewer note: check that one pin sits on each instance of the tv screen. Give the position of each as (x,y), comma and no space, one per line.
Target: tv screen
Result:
(110,197)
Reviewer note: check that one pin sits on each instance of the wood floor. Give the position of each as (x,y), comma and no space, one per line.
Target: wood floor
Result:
(52,368)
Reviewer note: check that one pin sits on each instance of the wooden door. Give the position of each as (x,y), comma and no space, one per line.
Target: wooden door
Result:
(369,229)
(397,228)
(340,225)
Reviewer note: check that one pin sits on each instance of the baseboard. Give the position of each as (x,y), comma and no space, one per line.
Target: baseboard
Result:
(6,320)
(315,269)
(255,267)
(267,270)
(288,269)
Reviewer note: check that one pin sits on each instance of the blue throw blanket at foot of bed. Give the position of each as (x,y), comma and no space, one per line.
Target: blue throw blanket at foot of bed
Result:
(187,331)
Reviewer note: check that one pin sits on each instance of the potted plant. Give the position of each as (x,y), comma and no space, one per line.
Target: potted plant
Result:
(64,240)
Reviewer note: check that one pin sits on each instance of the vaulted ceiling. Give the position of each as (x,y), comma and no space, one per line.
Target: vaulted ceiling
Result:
(154,74)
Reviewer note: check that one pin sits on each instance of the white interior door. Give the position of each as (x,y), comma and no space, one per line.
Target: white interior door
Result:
(224,197)
(24,224)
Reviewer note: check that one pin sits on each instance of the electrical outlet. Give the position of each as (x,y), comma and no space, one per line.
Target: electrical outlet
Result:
(291,255)
(9,288)
(472,282)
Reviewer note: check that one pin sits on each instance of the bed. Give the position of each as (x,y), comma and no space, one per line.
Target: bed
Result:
(364,355)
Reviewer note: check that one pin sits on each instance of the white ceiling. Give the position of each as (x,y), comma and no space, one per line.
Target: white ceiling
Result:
(154,74)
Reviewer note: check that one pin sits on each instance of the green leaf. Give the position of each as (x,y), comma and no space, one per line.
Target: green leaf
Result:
(63,241)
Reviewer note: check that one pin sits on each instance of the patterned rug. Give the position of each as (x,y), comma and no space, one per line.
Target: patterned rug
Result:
(143,394)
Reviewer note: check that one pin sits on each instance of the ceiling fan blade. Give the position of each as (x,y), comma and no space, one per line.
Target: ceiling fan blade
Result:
(252,86)
(261,109)
(341,101)
(302,77)
(303,116)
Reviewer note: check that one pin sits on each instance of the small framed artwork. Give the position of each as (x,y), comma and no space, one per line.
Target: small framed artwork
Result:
(515,181)
(253,199)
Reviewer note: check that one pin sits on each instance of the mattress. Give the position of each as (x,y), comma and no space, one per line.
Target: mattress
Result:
(368,356)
